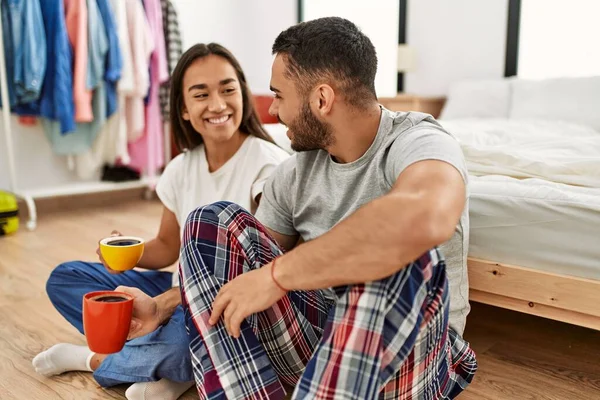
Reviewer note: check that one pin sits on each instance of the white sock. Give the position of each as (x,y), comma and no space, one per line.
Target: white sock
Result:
(163,389)
(61,358)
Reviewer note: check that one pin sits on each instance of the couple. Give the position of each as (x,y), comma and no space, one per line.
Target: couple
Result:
(335,286)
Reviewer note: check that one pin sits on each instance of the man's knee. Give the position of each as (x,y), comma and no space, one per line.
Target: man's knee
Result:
(219,213)
(212,212)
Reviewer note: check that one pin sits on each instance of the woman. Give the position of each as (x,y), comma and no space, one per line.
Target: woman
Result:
(227,155)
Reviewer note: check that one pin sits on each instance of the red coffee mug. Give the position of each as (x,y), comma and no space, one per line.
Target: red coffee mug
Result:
(106,320)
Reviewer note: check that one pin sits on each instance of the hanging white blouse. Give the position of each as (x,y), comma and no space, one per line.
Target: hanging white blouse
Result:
(142,46)
(111,144)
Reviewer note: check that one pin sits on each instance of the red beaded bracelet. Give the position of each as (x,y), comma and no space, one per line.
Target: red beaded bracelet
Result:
(273,277)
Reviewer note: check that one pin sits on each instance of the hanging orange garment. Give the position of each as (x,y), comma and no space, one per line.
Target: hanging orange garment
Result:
(76,18)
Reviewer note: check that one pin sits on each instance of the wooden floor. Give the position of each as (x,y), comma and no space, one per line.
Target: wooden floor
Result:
(520,357)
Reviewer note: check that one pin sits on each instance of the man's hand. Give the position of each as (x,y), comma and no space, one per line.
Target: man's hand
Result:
(108,269)
(146,313)
(247,294)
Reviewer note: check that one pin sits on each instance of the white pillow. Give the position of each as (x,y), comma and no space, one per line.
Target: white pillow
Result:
(279,134)
(478,99)
(567,99)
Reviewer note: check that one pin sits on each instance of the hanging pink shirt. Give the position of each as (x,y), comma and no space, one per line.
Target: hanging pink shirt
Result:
(147,154)
(76,19)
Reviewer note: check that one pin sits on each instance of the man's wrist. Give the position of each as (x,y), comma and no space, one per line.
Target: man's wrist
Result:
(280,272)
(274,279)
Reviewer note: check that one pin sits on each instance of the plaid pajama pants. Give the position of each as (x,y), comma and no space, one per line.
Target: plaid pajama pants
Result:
(387,339)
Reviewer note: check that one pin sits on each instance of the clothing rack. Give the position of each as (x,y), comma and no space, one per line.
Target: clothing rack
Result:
(76,188)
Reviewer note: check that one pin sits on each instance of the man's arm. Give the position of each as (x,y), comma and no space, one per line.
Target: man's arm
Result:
(420,212)
(287,242)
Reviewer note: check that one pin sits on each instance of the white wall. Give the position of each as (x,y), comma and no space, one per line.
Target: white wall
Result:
(247,28)
(36,165)
(556,40)
(378,19)
(455,40)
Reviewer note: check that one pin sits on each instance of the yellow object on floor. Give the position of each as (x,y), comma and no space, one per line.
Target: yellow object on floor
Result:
(9,213)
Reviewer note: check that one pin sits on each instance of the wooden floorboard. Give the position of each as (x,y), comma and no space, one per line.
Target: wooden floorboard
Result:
(520,356)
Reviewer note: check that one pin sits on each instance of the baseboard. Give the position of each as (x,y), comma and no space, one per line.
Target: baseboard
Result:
(50,205)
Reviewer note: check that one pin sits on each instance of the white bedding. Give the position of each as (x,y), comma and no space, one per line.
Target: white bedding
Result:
(536,224)
(279,134)
(556,151)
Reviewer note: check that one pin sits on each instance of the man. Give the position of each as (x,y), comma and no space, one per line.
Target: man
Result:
(339,290)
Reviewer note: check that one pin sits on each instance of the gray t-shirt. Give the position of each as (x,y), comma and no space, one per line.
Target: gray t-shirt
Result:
(310,193)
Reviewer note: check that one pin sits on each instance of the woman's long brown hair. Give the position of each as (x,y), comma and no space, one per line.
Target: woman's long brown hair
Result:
(184,133)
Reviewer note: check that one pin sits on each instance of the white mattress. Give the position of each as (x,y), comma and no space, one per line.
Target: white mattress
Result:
(536,224)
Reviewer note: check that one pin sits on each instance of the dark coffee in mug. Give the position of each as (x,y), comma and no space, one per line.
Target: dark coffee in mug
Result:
(122,242)
(110,299)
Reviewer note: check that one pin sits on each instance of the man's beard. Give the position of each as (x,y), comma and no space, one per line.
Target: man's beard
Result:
(308,133)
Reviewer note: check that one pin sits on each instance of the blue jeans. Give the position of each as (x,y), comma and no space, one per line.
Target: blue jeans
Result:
(163,353)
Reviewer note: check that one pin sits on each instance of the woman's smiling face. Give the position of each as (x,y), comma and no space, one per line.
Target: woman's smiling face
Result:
(213,101)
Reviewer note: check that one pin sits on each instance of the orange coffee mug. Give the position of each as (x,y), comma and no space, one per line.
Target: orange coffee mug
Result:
(106,320)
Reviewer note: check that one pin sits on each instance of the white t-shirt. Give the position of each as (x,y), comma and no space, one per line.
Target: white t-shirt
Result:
(187,184)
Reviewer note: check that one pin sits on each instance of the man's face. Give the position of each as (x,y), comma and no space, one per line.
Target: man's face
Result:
(305,130)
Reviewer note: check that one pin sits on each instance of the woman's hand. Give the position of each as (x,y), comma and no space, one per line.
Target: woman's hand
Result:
(146,316)
(108,269)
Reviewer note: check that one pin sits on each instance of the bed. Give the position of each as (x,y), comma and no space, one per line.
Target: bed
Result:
(533,153)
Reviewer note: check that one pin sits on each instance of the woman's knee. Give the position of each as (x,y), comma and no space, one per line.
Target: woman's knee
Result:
(176,363)
(59,279)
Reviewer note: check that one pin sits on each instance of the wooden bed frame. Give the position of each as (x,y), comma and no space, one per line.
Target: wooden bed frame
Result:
(560,297)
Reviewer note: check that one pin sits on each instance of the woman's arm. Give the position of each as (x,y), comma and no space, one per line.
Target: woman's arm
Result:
(163,250)
(150,312)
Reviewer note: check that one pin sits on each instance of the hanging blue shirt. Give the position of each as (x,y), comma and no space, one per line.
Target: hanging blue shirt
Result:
(114,62)
(82,139)
(25,41)
(8,52)
(56,100)
(97,47)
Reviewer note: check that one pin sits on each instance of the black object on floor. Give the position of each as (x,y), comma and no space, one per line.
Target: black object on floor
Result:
(119,174)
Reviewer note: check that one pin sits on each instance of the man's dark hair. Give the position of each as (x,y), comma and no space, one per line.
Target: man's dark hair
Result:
(332,48)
